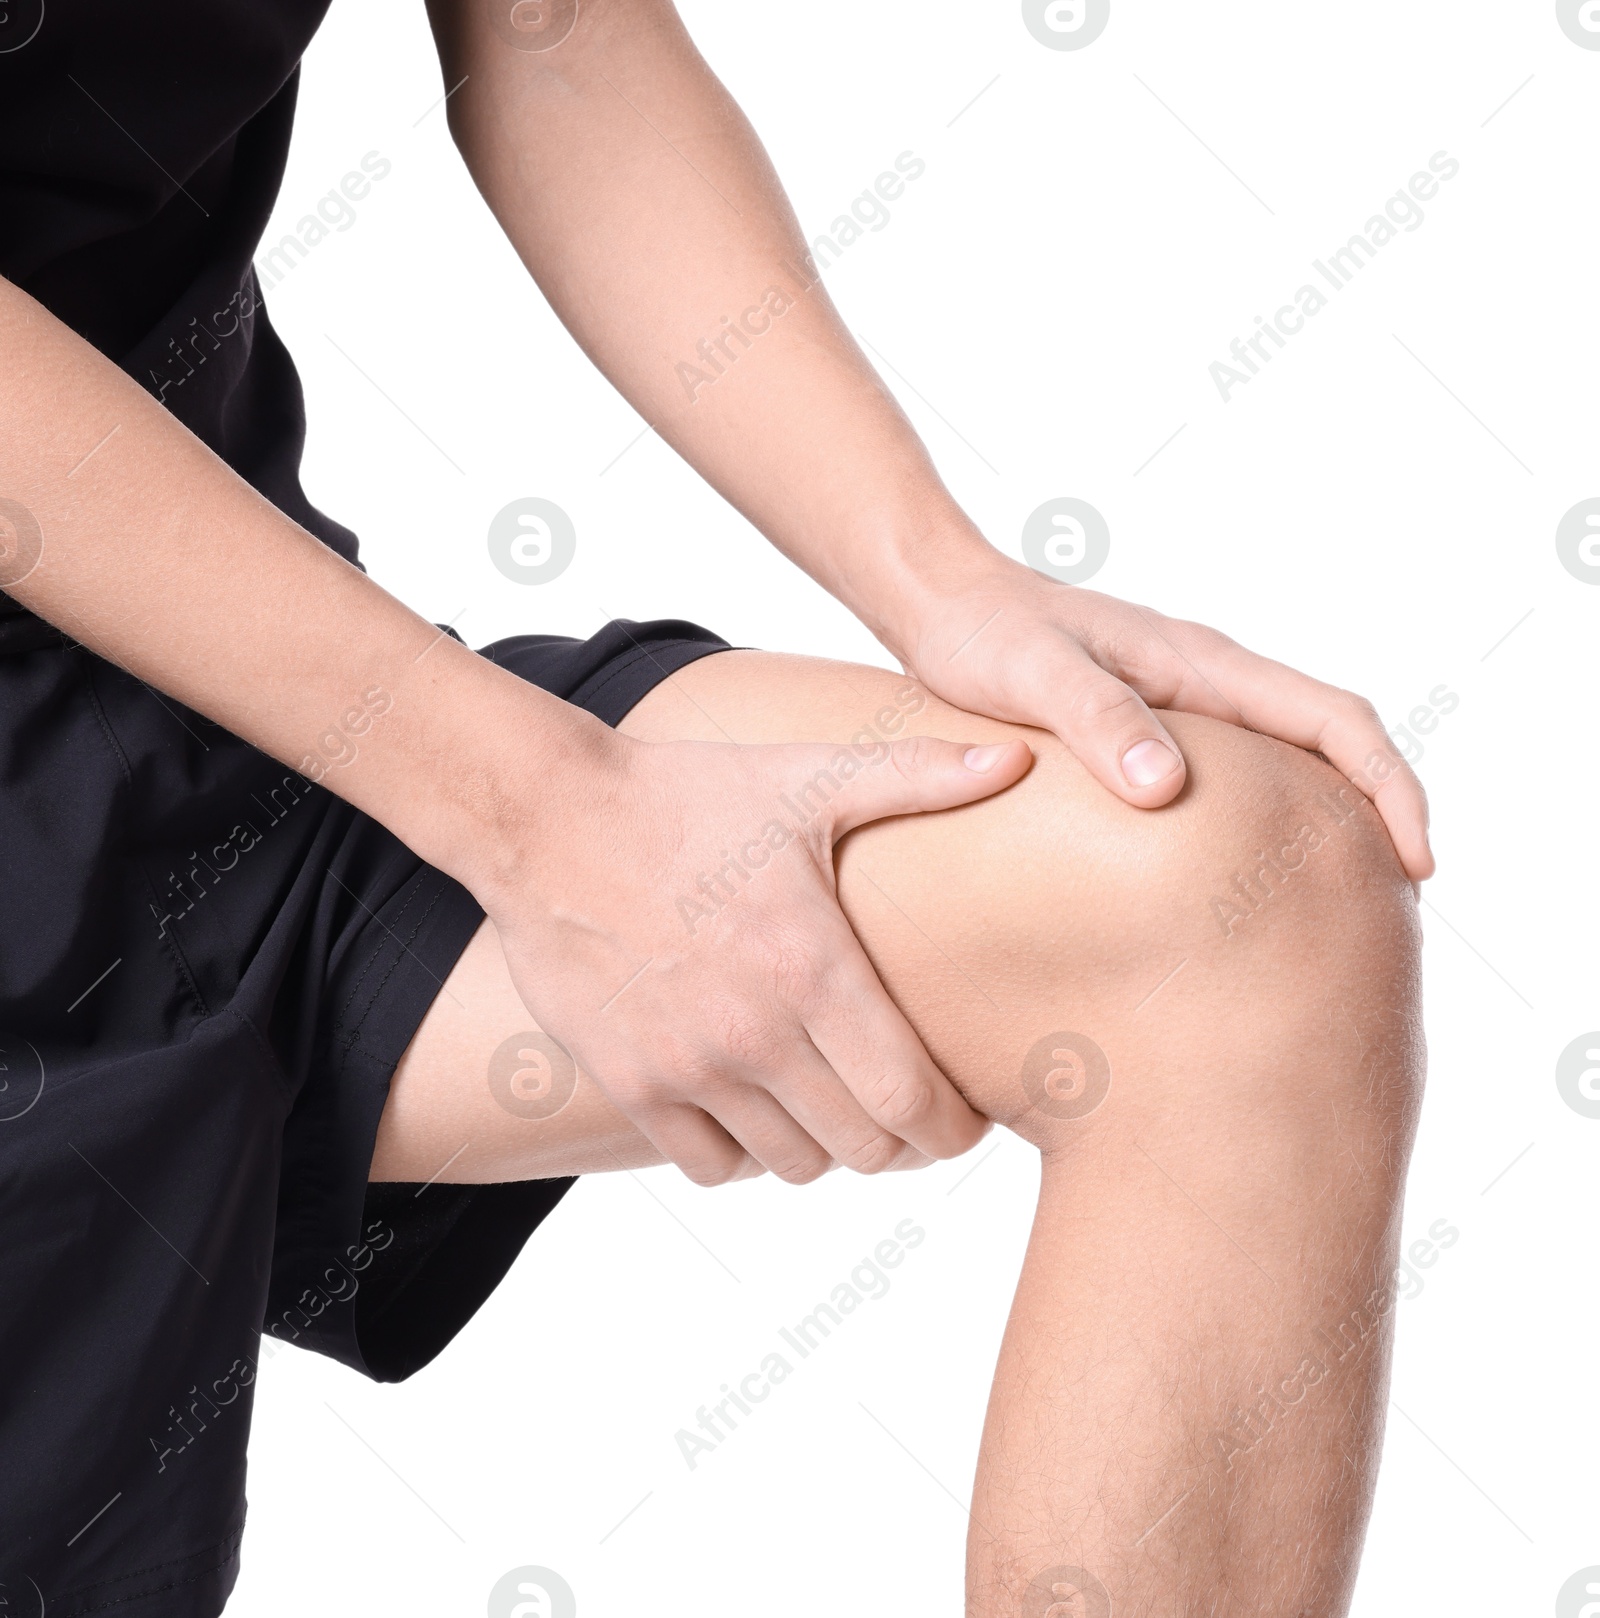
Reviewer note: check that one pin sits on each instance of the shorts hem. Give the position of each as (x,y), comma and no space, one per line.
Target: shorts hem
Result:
(205,1590)
(387,991)
(381,1277)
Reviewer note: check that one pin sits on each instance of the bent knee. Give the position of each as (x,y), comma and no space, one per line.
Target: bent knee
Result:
(1203,958)
(1284,854)
(1248,950)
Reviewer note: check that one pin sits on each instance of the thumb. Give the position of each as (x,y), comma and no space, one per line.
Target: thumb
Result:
(922,772)
(1114,735)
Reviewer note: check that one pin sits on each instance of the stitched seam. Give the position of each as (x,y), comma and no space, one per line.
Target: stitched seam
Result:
(161,1589)
(620,666)
(230,1543)
(394,966)
(614,671)
(168,938)
(415,887)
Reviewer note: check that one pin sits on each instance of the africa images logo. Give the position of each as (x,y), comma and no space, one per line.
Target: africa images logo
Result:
(1578,1077)
(532,541)
(1066,25)
(1066,539)
(21,542)
(1580,1595)
(533,25)
(1578,542)
(532,1592)
(20,20)
(1580,22)
(21,1084)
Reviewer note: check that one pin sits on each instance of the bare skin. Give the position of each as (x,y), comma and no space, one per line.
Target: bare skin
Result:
(643,204)
(1172,1421)
(1187,1413)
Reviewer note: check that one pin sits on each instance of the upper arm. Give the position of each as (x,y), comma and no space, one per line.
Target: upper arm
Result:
(510,54)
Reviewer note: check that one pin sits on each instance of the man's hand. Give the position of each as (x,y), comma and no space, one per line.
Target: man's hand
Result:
(1008,642)
(668,910)
(672,917)
(580,150)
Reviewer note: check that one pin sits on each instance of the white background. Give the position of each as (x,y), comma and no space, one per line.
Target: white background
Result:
(1050,295)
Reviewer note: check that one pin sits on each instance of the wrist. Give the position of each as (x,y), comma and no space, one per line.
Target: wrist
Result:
(917,568)
(540,806)
(519,769)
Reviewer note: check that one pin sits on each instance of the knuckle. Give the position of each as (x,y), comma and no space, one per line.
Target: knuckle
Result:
(1103,703)
(1196,637)
(1182,657)
(1360,711)
(914,755)
(803,1167)
(875,1155)
(901,1101)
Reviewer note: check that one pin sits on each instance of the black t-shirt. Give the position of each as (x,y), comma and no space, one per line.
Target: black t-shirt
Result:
(141,150)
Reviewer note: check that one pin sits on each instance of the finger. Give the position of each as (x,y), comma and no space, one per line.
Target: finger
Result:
(1357,745)
(1109,729)
(696,1142)
(769,1133)
(909,1160)
(866,1040)
(819,1101)
(920,773)
(1346,729)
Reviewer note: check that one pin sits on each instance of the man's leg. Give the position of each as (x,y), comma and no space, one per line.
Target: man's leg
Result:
(1206,1019)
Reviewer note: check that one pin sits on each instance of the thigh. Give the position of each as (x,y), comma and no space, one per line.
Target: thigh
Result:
(1049,908)
(479,1070)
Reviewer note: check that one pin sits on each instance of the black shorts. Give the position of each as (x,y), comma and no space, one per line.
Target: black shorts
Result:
(209,968)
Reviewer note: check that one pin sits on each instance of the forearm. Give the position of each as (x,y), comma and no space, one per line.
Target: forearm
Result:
(156,555)
(643,203)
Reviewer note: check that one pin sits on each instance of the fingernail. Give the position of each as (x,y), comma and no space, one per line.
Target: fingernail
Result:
(1147,762)
(983,759)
